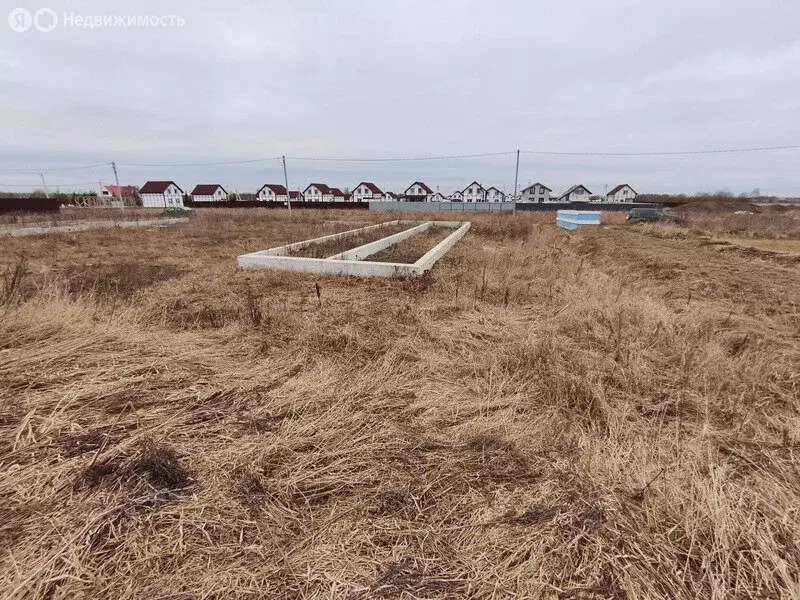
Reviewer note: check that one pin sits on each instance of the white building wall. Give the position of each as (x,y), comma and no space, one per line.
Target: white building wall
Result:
(579,195)
(626,194)
(314,194)
(536,193)
(495,195)
(475,193)
(363,194)
(172,197)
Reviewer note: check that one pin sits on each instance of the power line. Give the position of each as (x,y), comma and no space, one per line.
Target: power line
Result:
(59,185)
(668,153)
(53,169)
(401,159)
(206,164)
(406,158)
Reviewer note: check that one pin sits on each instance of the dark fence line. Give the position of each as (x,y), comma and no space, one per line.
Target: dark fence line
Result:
(261,204)
(29,204)
(429,206)
(554,206)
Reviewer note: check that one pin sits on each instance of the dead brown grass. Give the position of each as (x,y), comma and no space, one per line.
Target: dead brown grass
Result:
(606,413)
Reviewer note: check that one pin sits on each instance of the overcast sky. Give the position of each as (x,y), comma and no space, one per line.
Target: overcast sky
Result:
(406,79)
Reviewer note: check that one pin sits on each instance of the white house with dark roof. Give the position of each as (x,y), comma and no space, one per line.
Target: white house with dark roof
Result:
(537,192)
(161,194)
(474,192)
(318,192)
(209,192)
(417,192)
(577,193)
(338,195)
(437,197)
(271,192)
(621,193)
(494,195)
(456,196)
(367,191)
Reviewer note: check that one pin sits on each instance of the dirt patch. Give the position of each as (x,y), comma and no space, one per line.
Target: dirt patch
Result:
(412,249)
(326,249)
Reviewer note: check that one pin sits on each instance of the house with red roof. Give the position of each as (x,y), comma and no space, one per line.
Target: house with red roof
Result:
(367,191)
(318,192)
(621,193)
(272,192)
(161,194)
(115,191)
(417,192)
(338,195)
(209,192)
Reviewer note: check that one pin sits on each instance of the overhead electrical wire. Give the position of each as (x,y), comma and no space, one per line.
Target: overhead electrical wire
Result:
(409,158)
(53,169)
(667,153)
(56,185)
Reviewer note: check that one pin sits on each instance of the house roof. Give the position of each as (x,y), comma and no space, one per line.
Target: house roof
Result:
(157,187)
(424,187)
(494,188)
(337,192)
(370,186)
(534,185)
(120,190)
(573,188)
(294,195)
(277,189)
(206,189)
(618,188)
(321,187)
(473,183)
(457,192)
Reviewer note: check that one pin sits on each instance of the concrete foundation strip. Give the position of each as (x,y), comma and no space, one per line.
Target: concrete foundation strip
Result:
(78,226)
(348,262)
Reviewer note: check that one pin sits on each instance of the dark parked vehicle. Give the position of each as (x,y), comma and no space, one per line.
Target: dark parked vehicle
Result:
(649,215)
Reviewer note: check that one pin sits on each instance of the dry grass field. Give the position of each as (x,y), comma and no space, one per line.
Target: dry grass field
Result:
(606,413)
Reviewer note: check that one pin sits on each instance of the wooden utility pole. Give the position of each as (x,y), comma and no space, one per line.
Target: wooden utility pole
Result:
(286,182)
(119,189)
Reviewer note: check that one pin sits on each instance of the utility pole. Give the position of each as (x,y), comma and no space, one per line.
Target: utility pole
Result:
(119,189)
(516,177)
(286,182)
(44,183)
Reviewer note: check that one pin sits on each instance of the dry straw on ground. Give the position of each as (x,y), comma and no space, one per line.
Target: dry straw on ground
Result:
(607,413)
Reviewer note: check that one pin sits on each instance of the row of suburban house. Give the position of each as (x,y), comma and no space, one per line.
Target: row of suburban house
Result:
(168,193)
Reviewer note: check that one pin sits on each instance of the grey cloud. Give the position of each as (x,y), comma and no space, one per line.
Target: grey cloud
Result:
(413,78)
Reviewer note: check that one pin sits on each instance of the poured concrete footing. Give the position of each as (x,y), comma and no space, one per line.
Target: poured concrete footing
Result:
(350,262)
(78,226)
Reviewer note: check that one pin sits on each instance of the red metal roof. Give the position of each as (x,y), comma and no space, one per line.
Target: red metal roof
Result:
(422,185)
(337,192)
(122,190)
(206,189)
(370,186)
(618,188)
(277,189)
(157,187)
(321,187)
